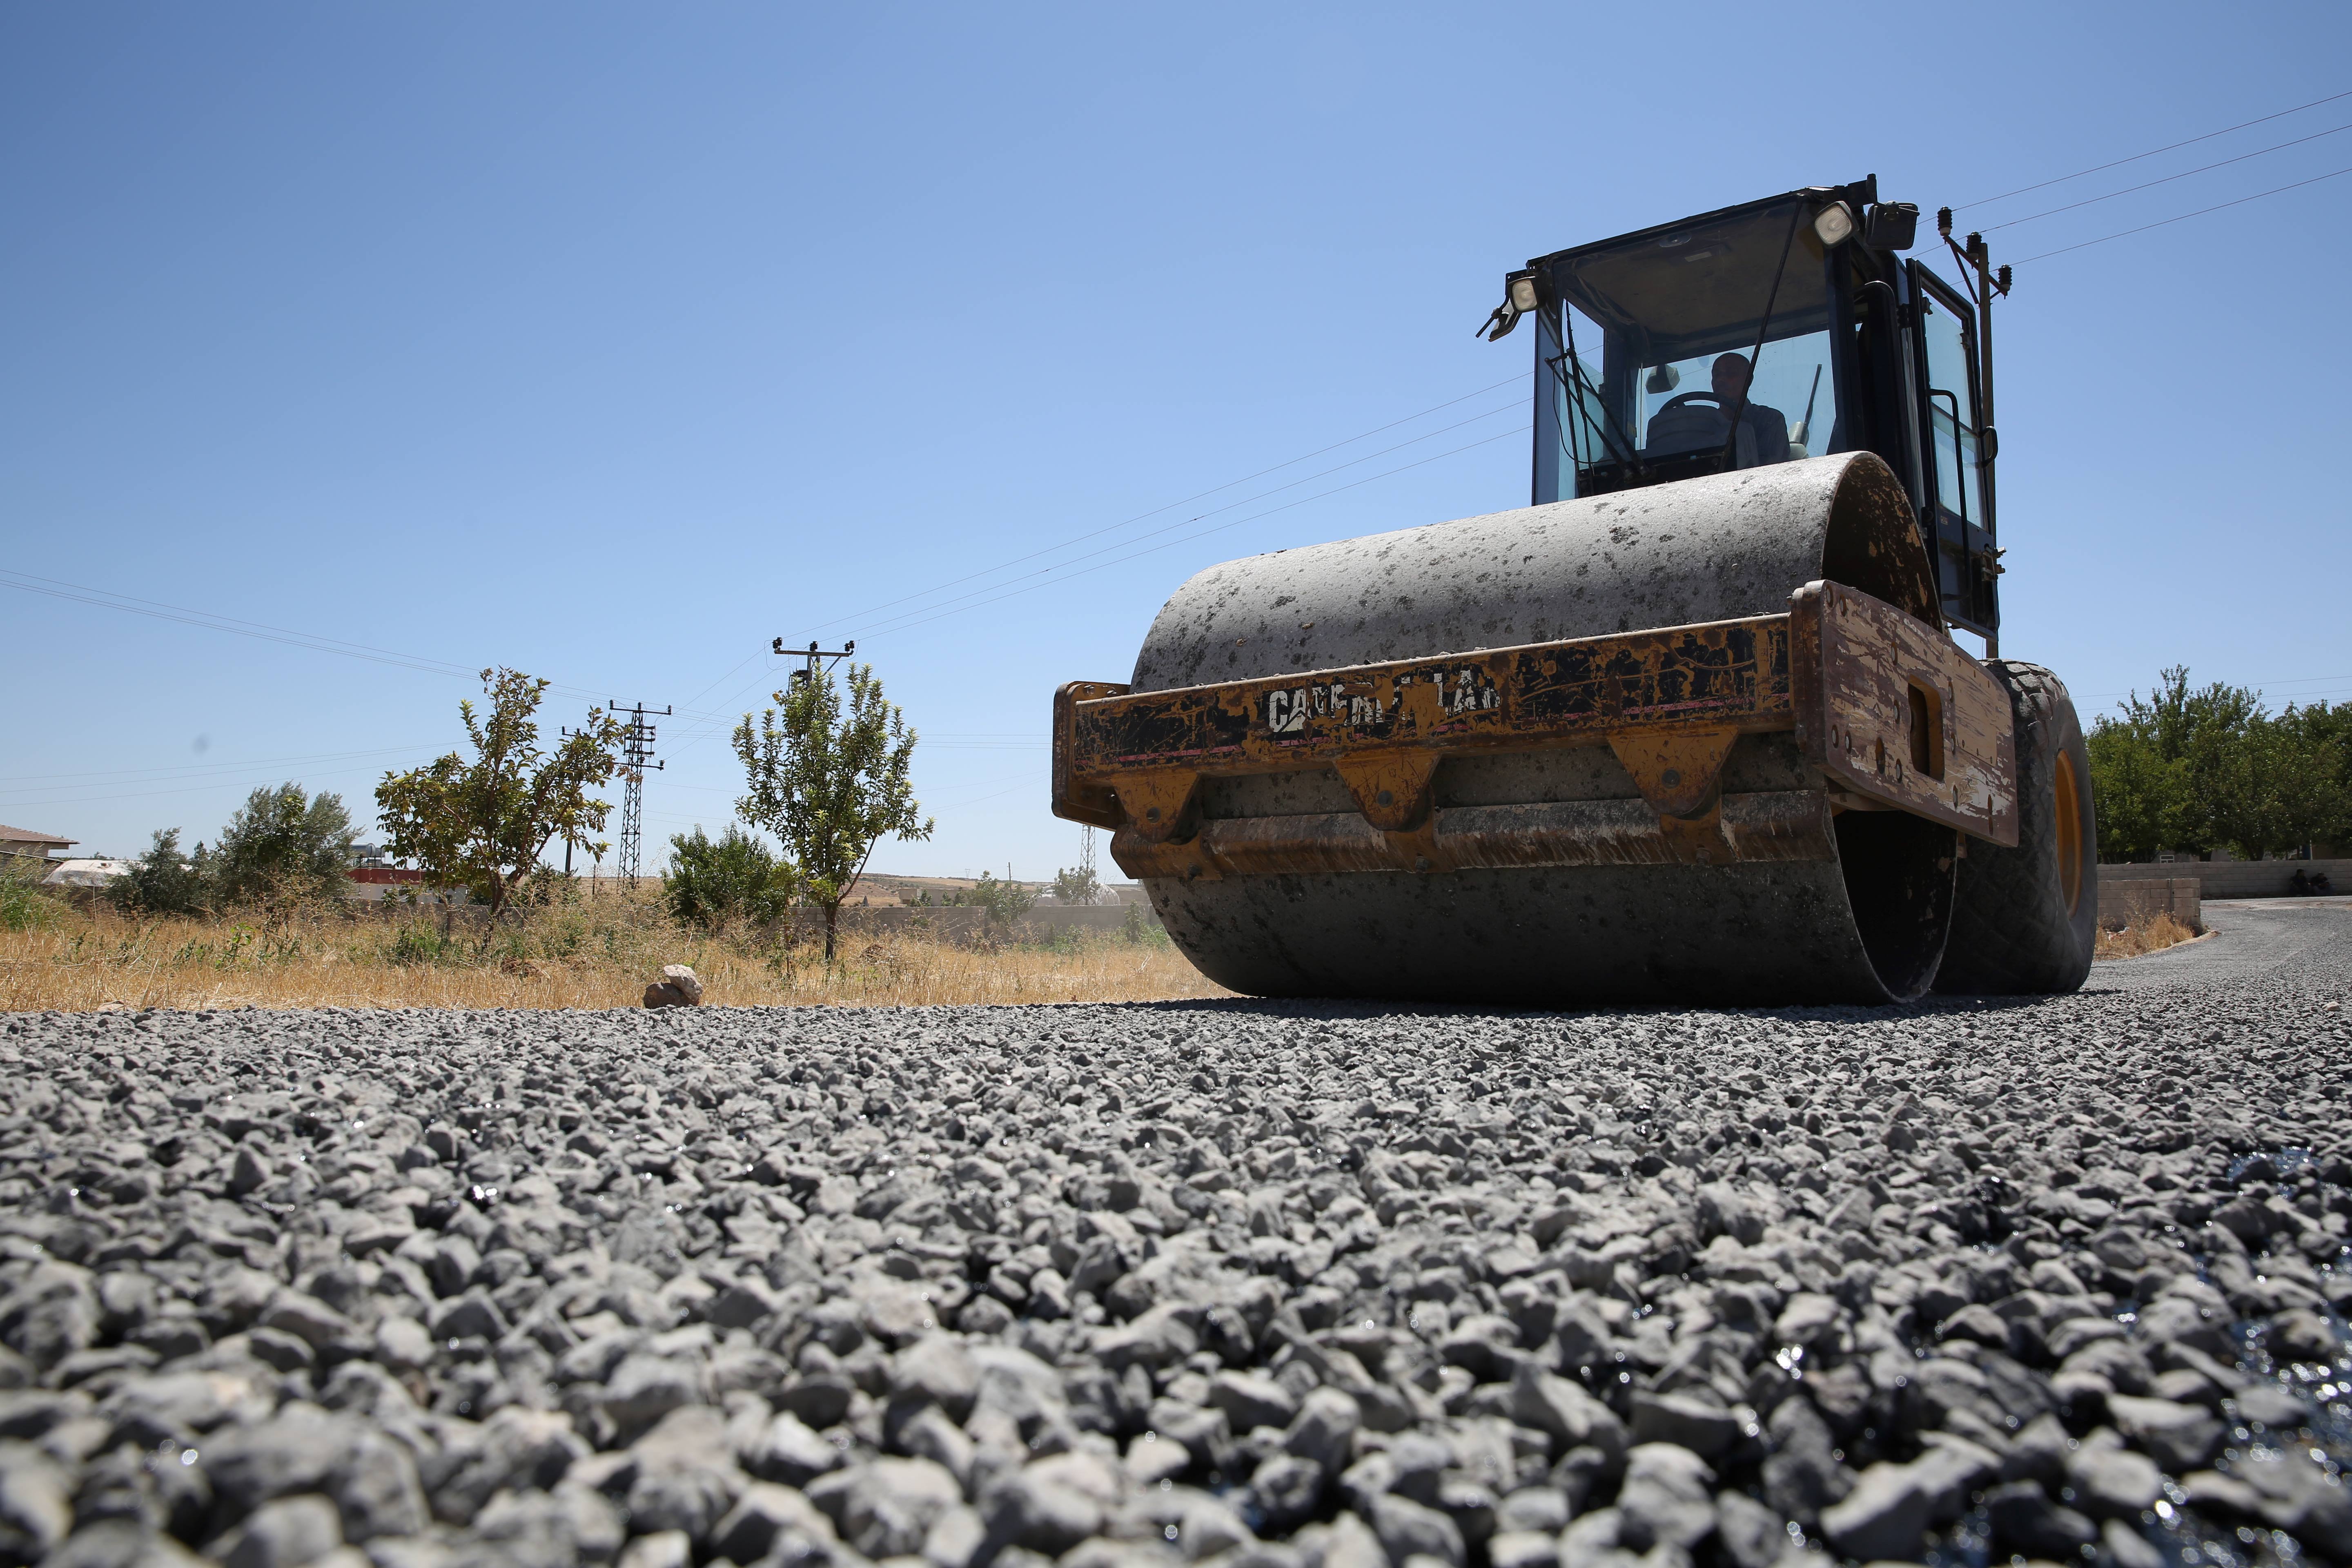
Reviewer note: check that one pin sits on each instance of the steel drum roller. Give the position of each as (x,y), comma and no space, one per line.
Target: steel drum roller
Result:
(1865,923)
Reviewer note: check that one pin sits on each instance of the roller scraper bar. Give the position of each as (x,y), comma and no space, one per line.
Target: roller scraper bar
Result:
(1892,714)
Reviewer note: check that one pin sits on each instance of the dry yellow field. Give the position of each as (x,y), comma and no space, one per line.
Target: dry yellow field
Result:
(584,954)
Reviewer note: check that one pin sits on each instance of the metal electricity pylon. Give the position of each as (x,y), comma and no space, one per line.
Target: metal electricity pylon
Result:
(636,756)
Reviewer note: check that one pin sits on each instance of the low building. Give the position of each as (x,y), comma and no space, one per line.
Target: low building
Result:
(380,881)
(27,844)
(375,880)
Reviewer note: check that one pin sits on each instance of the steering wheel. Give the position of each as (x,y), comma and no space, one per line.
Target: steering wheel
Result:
(1671,404)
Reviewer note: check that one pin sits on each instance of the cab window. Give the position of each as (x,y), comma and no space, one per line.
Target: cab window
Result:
(1948,344)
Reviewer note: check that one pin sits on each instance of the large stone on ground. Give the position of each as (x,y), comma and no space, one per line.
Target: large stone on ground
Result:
(1406,1528)
(884,1508)
(1883,1517)
(2025,1520)
(1667,1498)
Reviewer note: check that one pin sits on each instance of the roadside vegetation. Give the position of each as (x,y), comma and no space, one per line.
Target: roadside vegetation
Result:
(284,847)
(260,918)
(2150,933)
(485,825)
(573,951)
(830,780)
(2206,768)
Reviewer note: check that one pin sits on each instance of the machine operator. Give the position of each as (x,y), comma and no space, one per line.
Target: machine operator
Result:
(1688,426)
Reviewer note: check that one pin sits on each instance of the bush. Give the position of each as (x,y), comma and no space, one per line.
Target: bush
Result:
(417,944)
(25,904)
(734,878)
(166,882)
(1004,901)
(285,846)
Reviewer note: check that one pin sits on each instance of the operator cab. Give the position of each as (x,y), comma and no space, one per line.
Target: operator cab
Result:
(1644,344)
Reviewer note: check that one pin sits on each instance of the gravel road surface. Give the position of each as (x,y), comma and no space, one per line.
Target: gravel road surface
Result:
(1254,1286)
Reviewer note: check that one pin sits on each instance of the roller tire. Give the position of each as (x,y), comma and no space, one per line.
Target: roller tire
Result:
(2016,931)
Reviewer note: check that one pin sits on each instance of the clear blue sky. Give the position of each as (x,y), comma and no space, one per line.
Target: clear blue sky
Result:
(611,342)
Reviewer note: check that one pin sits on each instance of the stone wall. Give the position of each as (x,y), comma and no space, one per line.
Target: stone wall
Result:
(2123,902)
(2232,879)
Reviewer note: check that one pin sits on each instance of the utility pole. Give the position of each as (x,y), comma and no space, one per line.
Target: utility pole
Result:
(568,733)
(813,658)
(636,756)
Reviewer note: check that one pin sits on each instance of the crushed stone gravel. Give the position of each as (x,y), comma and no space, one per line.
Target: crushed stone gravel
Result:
(1298,1286)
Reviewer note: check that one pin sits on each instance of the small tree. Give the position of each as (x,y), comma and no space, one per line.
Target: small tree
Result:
(1005,901)
(483,826)
(1079,885)
(284,844)
(166,882)
(714,882)
(830,783)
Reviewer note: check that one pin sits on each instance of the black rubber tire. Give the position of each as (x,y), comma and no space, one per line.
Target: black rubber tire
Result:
(2015,929)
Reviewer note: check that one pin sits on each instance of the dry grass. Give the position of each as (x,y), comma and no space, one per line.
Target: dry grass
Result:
(584,954)
(2149,934)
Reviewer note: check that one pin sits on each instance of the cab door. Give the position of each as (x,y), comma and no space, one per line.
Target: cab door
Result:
(1946,369)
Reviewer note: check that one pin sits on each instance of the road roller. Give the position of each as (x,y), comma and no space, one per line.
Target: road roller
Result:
(1692,727)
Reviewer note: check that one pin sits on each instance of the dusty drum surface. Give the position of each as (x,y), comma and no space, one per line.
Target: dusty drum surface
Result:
(1862,921)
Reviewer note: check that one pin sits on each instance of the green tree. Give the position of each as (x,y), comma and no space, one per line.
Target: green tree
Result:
(1078,884)
(1005,901)
(482,825)
(830,781)
(284,844)
(2139,793)
(2331,728)
(736,877)
(2208,767)
(2227,802)
(163,881)
(2307,776)
(2173,770)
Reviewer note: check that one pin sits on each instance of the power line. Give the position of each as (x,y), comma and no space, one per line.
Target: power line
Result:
(2184,217)
(1062,568)
(190,770)
(1201,495)
(1245,501)
(155,609)
(2151,185)
(982,799)
(906,624)
(708,690)
(158,793)
(2257,684)
(1008,783)
(107,599)
(2119,163)
(721,725)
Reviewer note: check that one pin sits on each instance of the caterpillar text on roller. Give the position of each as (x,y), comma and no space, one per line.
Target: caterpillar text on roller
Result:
(1690,728)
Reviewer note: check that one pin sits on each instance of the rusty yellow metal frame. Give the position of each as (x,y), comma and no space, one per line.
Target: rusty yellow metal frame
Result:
(1895,714)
